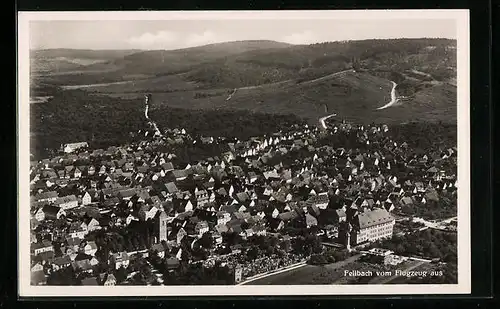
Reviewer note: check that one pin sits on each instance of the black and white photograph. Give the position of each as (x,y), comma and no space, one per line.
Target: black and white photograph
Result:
(243,153)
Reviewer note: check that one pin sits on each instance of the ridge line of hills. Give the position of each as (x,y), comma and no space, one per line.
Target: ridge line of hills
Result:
(258,77)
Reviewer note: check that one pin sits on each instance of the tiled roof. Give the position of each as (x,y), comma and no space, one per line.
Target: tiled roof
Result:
(46,195)
(374,217)
(66,199)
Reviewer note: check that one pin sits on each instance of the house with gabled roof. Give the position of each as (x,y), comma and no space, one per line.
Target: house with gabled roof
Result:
(86,199)
(223,217)
(38,278)
(126,194)
(49,212)
(310,220)
(43,246)
(110,280)
(406,200)
(66,202)
(48,197)
(92,224)
(179,175)
(372,225)
(89,281)
(61,262)
(76,230)
(90,248)
(120,259)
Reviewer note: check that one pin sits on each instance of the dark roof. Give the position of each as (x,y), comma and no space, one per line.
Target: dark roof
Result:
(172,263)
(39,245)
(50,210)
(236,228)
(432,195)
(89,281)
(318,199)
(242,196)
(287,216)
(127,192)
(46,195)
(179,173)
(311,220)
(62,260)
(38,277)
(73,241)
(66,199)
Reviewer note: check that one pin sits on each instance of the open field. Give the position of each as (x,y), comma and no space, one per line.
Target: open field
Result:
(355,96)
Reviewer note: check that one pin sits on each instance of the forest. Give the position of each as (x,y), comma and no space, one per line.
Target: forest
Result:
(425,136)
(426,244)
(73,116)
(245,63)
(433,56)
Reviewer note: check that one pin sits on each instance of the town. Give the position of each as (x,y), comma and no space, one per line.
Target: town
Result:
(134,215)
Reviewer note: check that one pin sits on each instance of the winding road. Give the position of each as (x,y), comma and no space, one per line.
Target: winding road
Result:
(257,87)
(326,77)
(393,97)
(323,119)
(393,101)
(288,81)
(151,122)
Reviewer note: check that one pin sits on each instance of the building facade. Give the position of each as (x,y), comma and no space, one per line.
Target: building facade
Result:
(367,226)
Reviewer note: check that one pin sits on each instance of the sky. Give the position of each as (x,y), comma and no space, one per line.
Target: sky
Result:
(176,34)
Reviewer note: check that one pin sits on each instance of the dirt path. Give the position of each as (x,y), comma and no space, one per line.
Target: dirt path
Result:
(323,119)
(394,99)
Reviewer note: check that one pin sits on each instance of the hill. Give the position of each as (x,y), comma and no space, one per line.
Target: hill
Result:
(153,63)
(45,61)
(436,57)
(354,96)
(248,63)
(274,77)
(346,93)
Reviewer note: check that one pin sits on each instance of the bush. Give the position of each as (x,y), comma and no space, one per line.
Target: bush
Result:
(317,259)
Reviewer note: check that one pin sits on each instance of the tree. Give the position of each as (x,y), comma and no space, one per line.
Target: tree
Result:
(252,253)
(206,241)
(139,279)
(317,259)
(120,274)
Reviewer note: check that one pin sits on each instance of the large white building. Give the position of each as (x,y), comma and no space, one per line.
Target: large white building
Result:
(367,226)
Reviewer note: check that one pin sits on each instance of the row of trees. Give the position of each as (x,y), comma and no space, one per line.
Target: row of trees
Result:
(431,210)
(424,136)
(328,257)
(427,244)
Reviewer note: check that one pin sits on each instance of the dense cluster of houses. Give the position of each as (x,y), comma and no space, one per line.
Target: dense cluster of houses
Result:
(265,184)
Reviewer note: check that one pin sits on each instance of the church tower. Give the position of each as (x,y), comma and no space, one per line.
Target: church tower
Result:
(238,274)
(162,226)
